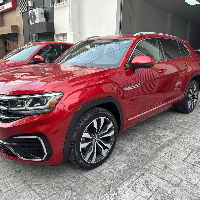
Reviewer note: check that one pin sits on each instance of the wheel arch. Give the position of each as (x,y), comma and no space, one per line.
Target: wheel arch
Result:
(195,76)
(109,103)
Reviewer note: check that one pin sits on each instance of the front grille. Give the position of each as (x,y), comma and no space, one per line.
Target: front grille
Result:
(5,115)
(4,103)
(6,150)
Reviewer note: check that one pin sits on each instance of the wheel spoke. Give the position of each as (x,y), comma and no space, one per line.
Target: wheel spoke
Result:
(86,135)
(194,88)
(103,151)
(108,145)
(106,128)
(189,104)
(108,134)
(84,144)
(192,105)
(95,126)
(196,94)
(102,123)
(95,152)
(89,152)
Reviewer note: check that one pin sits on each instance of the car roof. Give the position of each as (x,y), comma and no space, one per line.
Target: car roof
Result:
(139,35)
(47,43)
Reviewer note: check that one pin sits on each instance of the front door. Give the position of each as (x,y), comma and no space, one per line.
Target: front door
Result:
(147,88)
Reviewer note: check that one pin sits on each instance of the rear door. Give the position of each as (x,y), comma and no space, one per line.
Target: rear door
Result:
(176,63)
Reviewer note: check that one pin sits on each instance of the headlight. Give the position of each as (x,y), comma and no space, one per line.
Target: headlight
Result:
(30,104)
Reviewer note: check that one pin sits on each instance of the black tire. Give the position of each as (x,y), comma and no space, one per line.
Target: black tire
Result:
(189,101)
(93,139)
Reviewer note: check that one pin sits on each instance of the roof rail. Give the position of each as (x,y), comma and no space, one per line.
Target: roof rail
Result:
(147,33)
(93,37)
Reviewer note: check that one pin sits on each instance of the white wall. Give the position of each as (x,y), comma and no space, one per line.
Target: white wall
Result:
(98,17)
(61,17)
(85,18)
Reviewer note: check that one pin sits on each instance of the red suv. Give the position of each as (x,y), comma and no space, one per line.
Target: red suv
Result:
(74,110)
(33,53)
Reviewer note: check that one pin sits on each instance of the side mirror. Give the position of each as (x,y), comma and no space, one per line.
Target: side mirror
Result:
(38,59)
(141,62)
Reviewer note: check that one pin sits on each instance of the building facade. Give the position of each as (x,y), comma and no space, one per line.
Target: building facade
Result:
(24,21)
(75,20)
(38,20)
(11,26)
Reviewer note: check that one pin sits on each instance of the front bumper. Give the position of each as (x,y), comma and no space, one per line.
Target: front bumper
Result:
(27,147)
(37,139)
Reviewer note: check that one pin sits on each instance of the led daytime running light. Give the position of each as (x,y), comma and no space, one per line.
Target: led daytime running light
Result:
(31,102)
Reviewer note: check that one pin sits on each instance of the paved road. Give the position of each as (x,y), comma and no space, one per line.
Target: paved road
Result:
(158,159)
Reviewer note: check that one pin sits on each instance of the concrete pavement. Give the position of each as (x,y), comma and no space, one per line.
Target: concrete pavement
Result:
(158,159)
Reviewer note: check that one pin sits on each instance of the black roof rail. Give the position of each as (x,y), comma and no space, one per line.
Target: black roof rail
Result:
(147,33)
(92,37)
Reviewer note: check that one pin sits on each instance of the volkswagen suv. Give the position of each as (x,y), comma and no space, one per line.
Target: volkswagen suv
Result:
(74,109)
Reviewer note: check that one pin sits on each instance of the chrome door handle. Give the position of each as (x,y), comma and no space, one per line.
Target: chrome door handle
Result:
(186,65)
(162,70)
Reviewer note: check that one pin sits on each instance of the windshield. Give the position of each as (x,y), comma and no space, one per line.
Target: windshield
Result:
(96,53)
(21,53)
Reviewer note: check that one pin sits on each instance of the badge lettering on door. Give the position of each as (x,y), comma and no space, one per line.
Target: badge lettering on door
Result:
(132,87)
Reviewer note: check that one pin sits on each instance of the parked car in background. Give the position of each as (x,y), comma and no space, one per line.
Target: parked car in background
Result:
(33,53)
(75,108)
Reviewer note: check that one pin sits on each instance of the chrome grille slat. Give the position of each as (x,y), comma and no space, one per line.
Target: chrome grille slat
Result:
(3,108)
(7,116)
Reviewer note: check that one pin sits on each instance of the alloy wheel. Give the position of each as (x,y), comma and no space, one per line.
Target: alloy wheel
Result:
(97,140)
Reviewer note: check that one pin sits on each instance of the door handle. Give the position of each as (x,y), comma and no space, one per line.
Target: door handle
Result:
(162,70)
(186,65)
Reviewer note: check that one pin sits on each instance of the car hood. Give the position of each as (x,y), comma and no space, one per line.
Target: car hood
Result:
(45,78)
(6,64)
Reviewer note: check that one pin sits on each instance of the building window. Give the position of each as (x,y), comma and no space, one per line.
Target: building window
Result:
(61,37)
(60,1)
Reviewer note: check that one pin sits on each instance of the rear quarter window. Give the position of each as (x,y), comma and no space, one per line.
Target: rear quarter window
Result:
(184,50)
(170,48)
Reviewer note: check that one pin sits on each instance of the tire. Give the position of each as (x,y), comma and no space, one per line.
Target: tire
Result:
(93,139)
(189,101)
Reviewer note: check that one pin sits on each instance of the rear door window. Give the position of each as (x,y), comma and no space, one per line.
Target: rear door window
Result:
(170,48)
(65,47)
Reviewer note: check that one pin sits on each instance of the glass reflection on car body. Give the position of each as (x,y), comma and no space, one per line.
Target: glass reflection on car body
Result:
(106,53)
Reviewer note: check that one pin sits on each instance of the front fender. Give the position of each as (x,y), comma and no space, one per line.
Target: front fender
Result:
(77,104)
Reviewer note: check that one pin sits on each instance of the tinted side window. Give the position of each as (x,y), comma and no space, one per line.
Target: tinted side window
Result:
(147,47)
(51,52)
(65,47)
(171,49)
(184,51)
